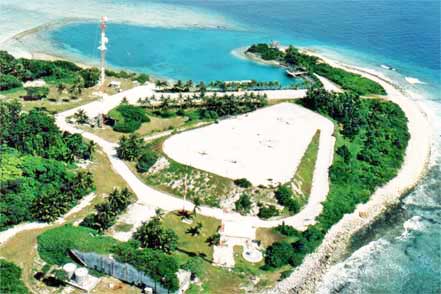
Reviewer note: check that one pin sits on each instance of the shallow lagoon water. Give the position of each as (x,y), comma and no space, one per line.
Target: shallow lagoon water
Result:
(180,54)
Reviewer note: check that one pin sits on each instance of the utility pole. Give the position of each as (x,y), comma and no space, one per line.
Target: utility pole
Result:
(103,50)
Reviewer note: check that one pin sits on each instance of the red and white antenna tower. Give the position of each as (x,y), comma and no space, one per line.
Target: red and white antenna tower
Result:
(103,49)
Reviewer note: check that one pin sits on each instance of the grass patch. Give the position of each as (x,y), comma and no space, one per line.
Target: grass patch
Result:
(302,180)
(155,125)
(248,270)
(122,227)
(210,188)
(193,244)
(59,102)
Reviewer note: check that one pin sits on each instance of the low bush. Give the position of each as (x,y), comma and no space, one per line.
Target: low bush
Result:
(10,279)
(128,118)
(8,82)
(285,197)
(267,212)
(146,161)
(243,204)
(243,183)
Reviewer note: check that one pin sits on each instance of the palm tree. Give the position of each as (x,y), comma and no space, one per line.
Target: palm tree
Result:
(196,204)
(159,213)
(91,147)
(158,84)
(60,88)
(81,117)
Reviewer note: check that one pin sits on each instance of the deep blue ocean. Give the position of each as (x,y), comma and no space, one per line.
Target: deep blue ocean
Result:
(402,253)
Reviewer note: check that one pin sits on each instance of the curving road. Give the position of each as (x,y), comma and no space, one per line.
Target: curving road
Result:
(150,197)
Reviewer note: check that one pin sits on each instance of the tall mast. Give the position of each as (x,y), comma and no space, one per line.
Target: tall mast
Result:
(103,49)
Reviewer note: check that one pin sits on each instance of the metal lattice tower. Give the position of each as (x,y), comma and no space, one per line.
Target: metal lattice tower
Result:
(103,49)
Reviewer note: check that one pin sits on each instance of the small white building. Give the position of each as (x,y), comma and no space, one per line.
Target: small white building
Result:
(36,83)
(115,84)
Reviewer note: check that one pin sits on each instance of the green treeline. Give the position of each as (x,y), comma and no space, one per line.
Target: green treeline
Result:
(14,72)
(372,137)
(297,60)
(38,178)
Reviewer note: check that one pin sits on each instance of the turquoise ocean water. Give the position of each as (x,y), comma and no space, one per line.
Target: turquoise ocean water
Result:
(402,253)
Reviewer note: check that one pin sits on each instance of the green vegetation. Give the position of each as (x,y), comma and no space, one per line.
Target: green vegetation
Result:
(295,59)
(10,279)
(268,211)
(36,164)
(108,211)
(243,204)
(243,183)
(146,161)
(201,107)
(266,51)
(36,93)
(159,266)
(54,246)
(127,118)
(188,243)
(130,148)
(28,70)
(302,180)
(370,149)
(154,235)
(174,178)
(285,197)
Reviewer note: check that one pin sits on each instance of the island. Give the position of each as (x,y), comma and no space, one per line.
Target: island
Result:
(185,187)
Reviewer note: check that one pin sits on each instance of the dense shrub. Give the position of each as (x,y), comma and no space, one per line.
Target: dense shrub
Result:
(30,69)
(159,266)
(266,51)
(243,183)
(153,235)
(278,254)
(90,76)
(195,265)
(30,185)
(269,211)
(285,197)
(243,204)
(10,279)
(146,161)
(128,118)
(9,82)
(54,244)
(287,230)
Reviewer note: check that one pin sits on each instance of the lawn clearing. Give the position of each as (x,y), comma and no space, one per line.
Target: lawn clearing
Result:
(193,244)
(265,146)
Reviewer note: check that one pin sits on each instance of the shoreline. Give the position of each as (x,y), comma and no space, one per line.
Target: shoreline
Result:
(307,277)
